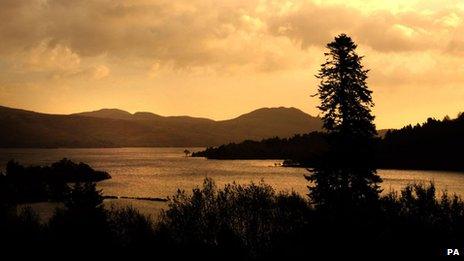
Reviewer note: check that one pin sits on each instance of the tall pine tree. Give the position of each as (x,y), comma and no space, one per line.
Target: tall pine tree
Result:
(345,176)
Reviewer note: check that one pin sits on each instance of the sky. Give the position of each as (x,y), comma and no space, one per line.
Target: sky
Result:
(222,58)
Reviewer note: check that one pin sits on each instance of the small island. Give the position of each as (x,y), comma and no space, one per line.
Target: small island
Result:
(42,183)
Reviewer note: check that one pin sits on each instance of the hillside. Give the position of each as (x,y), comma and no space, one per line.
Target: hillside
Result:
(434,144)
(117,128)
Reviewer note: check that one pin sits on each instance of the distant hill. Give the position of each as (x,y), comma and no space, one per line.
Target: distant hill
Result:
(118,128)
(107,113)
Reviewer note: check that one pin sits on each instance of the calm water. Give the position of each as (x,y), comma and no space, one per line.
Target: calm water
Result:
(159,172)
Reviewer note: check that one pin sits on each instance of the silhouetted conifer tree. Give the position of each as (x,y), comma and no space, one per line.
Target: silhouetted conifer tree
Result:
(346,101)
(345,176)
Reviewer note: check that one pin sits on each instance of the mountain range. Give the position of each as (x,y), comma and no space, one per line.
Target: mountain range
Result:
(118,128)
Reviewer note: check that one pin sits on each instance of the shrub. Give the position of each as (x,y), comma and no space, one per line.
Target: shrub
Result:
(242,219)
(130,230)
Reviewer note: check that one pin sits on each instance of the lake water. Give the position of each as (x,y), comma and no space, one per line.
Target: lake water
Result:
(159,172)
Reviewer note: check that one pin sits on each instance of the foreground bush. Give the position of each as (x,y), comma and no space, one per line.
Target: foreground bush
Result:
(253,221)
(422,223)
(243,222)
(130,230)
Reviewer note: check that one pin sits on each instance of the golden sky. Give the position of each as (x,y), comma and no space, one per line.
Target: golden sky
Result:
(222,58)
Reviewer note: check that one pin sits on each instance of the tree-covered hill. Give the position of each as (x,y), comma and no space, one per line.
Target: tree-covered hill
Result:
(434,144)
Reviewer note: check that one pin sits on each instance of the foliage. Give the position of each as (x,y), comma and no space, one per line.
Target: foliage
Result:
(243,222)
(346,101)
(345,177)
(82,221)
(302,148)
(421,222)
(240,219)
(130,230)
(434,144)
(41,183)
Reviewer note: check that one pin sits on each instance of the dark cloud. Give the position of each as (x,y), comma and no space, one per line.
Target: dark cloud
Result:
(202,32)
(161,30)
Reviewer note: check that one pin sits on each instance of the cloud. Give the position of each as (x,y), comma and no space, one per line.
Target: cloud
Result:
(381,30)
(72,39)
(312,25)
(161,49)
(44,58)
(181,34)
(220,34)
(101,72)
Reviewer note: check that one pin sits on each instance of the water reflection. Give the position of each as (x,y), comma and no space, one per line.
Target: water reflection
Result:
(159,172)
